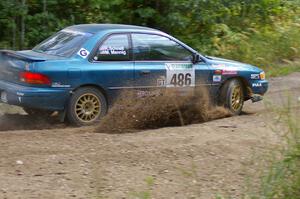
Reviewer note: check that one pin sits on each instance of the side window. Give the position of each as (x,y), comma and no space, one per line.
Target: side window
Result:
(114,48)
(156,48)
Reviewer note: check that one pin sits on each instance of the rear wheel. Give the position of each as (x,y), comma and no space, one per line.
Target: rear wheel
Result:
(86,106)
(232,96)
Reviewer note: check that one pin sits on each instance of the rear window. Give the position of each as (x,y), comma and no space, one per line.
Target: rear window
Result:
(64,43)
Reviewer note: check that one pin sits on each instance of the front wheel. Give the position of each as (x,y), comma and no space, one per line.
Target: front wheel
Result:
(86,106)
(232,96)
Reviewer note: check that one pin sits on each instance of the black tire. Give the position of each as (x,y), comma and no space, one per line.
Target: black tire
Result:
(83,106)
(230,99)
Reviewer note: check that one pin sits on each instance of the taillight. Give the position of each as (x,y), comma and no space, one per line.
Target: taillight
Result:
(34,78)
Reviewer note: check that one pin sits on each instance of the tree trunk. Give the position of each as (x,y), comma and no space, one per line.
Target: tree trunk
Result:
(46,15)
(44,6)
(22,40)
(14,34)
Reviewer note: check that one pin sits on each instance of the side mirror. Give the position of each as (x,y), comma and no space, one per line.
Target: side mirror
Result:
(195,58)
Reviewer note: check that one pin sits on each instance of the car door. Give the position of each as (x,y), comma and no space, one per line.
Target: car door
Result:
(160,62)
(112,64)
(149,71)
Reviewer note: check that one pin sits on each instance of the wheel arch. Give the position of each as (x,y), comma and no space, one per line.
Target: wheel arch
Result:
(101,89)
(246,87)
(69,112)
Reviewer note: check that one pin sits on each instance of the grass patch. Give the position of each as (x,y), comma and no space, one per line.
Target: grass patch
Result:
(282,180)
(282,70)
(144,194)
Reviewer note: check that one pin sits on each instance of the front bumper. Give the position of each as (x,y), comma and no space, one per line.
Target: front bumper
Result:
(259,87)
(33,97)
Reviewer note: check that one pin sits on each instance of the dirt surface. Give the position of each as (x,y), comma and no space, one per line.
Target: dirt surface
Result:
(51,160)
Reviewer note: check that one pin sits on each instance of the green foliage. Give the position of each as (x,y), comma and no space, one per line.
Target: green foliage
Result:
(281,70)
(261,32)
(259,47)
(283,178)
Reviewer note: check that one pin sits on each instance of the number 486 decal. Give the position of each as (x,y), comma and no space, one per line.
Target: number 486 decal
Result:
(180,74)
(181,79)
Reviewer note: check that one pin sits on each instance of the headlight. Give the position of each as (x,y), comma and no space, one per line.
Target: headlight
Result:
(262,75)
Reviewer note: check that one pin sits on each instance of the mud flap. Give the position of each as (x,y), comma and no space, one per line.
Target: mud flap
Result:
(256,98)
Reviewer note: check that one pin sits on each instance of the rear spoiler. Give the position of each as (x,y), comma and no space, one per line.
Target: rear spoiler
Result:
(21,56)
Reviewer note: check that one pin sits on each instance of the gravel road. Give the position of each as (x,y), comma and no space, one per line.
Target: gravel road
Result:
(44,159)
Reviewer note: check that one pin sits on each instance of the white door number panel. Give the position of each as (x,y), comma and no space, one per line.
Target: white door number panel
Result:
(180,74)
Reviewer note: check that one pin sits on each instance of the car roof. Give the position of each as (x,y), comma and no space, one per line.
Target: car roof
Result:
(95,28)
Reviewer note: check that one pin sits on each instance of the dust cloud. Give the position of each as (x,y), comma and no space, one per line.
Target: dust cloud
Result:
(152,110)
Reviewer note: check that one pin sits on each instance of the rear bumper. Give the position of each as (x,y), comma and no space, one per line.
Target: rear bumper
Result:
(33,97)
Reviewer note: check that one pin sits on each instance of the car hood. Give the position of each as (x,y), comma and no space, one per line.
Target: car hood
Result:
(226,63)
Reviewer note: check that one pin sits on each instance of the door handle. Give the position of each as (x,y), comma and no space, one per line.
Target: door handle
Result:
(145,72)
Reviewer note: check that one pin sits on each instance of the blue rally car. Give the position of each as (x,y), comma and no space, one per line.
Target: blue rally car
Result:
(82,68)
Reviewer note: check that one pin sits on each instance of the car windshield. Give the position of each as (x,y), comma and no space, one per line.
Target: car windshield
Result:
(64,43)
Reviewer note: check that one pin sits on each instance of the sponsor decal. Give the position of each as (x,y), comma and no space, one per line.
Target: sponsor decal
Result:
(59,85)
(20,94)
(179,66)
(180,75)
(83,53)
(255,76)
(217,78)
(218,72)
(147,93)
(229,72)
(161,81)
(112,50)
(225,70)
(256,85)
